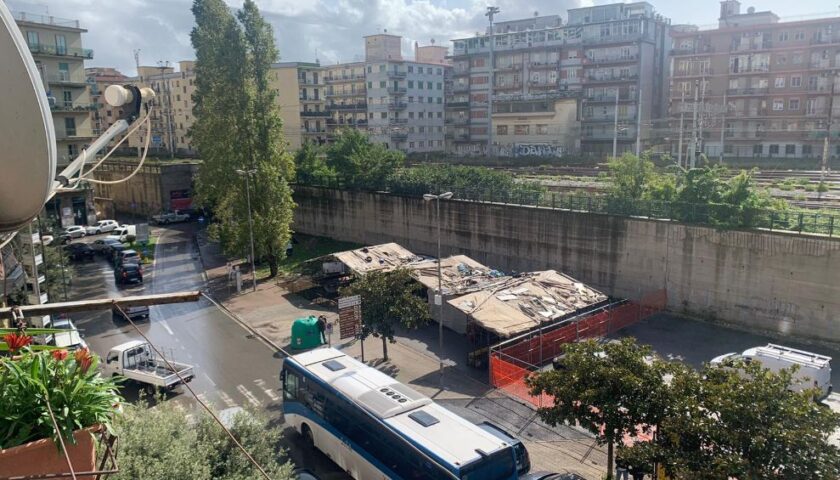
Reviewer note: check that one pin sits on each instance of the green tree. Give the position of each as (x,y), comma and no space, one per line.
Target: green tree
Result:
(360,163)
(311,165)
(389,299)
(238,127)
(742,421)
(630,176)
(609,389)
(167,442)
(465,181)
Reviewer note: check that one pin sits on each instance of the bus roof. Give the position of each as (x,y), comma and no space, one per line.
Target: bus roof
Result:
(418,419)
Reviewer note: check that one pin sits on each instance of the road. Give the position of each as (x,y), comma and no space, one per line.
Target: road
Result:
(232,367)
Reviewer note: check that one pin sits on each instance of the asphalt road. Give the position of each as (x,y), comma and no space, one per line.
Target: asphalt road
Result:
(232,367)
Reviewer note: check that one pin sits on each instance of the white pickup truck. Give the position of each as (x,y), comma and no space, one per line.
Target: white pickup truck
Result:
(170,217)
(136,361)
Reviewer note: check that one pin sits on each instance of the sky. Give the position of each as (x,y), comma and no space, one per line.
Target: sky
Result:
(332,30)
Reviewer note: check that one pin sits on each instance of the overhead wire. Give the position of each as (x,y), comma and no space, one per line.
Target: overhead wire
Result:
(148,122)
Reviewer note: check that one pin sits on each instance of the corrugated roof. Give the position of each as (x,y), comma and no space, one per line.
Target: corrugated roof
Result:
(524,302)
(386,256)
(460,274)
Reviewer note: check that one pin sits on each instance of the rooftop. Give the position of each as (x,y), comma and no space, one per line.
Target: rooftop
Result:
(387,256)
(47,20)
(460,275)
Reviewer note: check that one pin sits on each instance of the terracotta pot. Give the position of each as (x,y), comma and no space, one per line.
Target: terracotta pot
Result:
(43,456)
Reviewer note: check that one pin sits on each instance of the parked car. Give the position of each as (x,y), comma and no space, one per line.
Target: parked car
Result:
(102,226)
(71,340)
(103,246)
(79,251)
(551,476)
(128,273)
(304,474)
(75,231)
(115,251)
(134,313)
(814,369)
(170,217)
(123,231)
(126,256)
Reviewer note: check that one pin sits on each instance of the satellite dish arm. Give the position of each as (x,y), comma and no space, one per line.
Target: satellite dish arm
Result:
(71,170)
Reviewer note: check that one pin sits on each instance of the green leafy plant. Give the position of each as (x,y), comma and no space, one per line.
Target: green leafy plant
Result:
(78,396)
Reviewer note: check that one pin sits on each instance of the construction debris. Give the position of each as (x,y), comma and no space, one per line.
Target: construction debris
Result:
(387,256)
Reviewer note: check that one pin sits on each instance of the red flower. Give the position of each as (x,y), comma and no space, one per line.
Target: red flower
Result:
(16,341)
(83,359)
(59,354)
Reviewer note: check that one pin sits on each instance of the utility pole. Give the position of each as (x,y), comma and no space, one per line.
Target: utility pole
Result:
(693,152)
(137,64)
(164,87)
(827,141)
(615,125)
(247,174)
(639,124)
(491,11)
(702,115)
(723,125)
(682,121)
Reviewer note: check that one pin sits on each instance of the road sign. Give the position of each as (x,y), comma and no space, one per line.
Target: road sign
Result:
(351,301)
(156,140)
(349,317)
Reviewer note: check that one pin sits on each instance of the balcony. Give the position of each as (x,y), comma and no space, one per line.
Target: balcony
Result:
(458,104)
(544,65)
(397,106)
(52,50)
(823,64)
(72,135)
(605,98)
(610,119)
(460,88)
(747,71)
(396,91)
(751,47)
(534,84)
(460,72)
(345,78)
(27,259)
(695,72)
(45,20)
(332,123)
(64,79)
(72,107)
(509,86)
(308,113)
(613,39)
(398,121)
(310,99)
(462,137)
(460,121)
(352,93)
(612,78)
(699,50)
(348,106)
(747,91)
(608,60)
(396,74)
(509,68)
(41,279)
(312,130)
(399,136)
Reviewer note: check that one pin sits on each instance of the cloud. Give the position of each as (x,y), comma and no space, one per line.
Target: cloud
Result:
(330,30)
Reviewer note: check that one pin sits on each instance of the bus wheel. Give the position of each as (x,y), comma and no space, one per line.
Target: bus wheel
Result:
(308,438)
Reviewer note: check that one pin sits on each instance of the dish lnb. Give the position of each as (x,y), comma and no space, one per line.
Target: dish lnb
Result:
(118,95)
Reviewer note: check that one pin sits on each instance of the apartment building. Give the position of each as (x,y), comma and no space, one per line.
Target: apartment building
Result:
(56,46)
(300,97)
(99,78)
(765,87)
(611,58)
(346,94)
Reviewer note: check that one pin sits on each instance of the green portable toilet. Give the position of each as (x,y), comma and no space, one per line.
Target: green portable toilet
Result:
(305,333)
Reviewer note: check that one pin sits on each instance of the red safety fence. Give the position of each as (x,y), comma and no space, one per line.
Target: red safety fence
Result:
(513,360)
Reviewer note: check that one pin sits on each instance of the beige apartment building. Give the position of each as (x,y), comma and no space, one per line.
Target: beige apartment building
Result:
(765,87)
(299,88)
(100,78)
(346,94)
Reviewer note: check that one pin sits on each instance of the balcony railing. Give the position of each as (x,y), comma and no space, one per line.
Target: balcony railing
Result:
(399,136)
(43,49)
(540,65)
(396,74)
(397,91)
(45,20)
(345,78)
(64,78)
(606,98)
(508,86)
(464,104)
(536,84)
(310,99)
(348,106)
(312,130)
(398,121)
(511,67)
(612,78)
(309,113)
(699,50)
(72,107)
(352,93)
(68,134)
(747,91)
(754,69)
(397,106)
(460,88)
(613,59)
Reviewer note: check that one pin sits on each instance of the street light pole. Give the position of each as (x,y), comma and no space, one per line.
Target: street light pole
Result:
(247,174)
(439,296)
(491,11)
(615,125)
(826,148)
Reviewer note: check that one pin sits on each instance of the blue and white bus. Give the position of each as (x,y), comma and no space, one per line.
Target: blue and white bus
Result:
(375,428)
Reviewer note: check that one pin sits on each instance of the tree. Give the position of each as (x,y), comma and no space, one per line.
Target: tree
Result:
(164,442)
(360,163)
(311,165)
(237,127)
(742,421)
(389,299)
(630,176)
(465,181)
(610,389)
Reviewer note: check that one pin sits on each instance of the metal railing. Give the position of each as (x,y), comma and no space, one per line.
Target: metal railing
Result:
(44,49)
(723,216)
(45,19)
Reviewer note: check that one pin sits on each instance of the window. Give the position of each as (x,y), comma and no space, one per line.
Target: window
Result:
(796,81)
(383,114)
(783,36)
(800,35)
(420,85)
(410,114)
(370,84)
(421,129)
(793,104)
(421,114)
(369,69)
(780,82)
(410,69)
(32,39)
(383,84)
(422,144)
(758,149)
(382,68)
(440,100)
(423,418)
(410,99)
(781,60)
(790,149)
(439,114)
(521,129)
(410,144)
(806,150)
(431,100)
(419,99)
(797,58)
(410,129)
(439,86)
(440,71)
(411,84)
(333,365)
(61,44)
(542,129)
(778,104)
(428,85)
(774,149)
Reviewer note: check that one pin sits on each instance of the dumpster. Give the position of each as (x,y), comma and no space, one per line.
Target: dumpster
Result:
(305,333)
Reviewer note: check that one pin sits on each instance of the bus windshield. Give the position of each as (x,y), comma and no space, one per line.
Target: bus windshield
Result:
(498,466)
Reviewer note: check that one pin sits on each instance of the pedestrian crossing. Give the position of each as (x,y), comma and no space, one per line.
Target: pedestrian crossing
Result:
(259,395)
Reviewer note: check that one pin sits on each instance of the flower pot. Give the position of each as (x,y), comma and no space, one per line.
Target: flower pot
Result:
(44,457)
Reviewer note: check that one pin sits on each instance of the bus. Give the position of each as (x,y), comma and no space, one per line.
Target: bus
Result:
(374,427)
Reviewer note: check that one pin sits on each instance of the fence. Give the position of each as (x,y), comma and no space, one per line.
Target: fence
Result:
(513,360)
(724,216)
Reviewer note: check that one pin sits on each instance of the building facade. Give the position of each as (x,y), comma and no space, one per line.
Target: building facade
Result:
(300,97)
(346,93)
(765,88)
(99,78)
(612,57)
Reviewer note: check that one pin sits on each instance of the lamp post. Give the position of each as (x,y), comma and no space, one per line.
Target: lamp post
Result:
(247,174)
(491,12)
(439,297)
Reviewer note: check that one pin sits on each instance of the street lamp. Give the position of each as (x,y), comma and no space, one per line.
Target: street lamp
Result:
(247,174)
(439,298)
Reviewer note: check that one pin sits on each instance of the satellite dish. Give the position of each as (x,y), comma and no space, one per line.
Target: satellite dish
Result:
(27,136)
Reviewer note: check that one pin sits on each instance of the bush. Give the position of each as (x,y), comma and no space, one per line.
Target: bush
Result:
(466,182)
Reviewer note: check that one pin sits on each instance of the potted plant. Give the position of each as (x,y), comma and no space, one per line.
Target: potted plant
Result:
(50,398)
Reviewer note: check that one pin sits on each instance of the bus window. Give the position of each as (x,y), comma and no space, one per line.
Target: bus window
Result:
(498,466)
(290,386)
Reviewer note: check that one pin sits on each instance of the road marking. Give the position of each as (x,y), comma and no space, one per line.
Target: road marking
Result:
(166,326)
(268,391)
(203,398)
(248,395)
(209,379)
(226,399)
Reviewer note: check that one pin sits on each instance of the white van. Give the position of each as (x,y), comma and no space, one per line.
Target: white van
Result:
(814,370)
(123,231)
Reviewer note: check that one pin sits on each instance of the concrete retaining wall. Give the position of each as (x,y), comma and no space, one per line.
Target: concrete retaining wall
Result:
(757,280)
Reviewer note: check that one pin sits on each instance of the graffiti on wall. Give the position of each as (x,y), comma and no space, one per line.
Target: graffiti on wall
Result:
(531,150)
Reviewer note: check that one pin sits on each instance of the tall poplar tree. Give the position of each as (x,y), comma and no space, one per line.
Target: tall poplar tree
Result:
(238,127)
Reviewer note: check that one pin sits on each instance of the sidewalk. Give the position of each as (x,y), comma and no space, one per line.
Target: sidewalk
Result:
(413,359)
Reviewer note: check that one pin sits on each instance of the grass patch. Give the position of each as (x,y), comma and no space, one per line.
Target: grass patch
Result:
(307,248)
(149,254)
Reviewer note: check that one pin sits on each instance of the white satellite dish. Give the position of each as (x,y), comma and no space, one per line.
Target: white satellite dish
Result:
(27,136)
